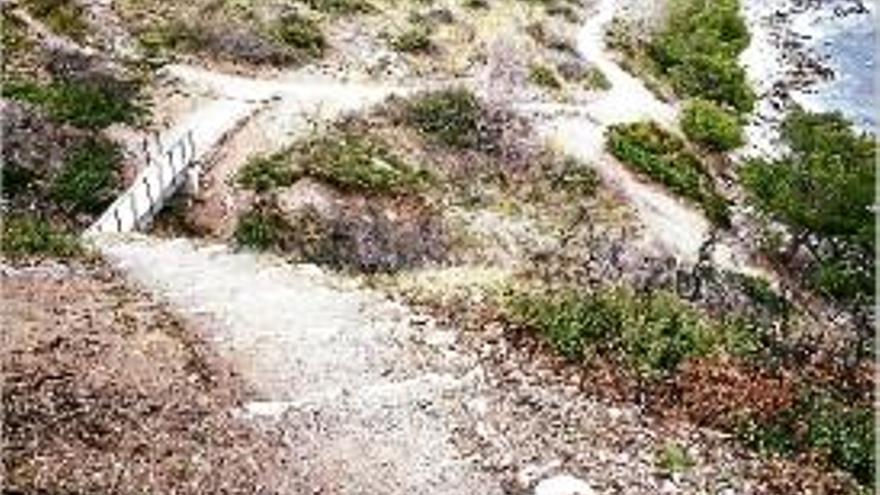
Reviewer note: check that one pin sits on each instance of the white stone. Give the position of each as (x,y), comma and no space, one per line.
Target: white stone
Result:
(563,485)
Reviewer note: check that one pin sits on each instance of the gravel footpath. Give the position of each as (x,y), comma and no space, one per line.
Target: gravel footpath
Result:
(373,398)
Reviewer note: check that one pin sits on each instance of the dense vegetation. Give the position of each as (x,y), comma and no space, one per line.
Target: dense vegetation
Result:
(87,104)
(416,39)
(821,422)
(663,339)
(450,116)
(665,158)
(698,51)
(711,126)
(88,180)
(823,191)
(652,333)
(27,235)
(301,33)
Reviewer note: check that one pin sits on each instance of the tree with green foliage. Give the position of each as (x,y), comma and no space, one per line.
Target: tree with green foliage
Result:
(711,126)
(823,191)
(699,50)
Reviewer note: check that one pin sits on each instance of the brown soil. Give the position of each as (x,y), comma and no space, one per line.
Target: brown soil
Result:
(106,392)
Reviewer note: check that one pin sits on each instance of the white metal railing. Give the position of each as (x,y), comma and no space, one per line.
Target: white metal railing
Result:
(155,183)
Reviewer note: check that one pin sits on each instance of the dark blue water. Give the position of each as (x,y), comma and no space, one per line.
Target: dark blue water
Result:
(851,49)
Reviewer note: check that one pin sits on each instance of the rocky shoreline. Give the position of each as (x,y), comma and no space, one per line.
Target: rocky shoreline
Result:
(786,64)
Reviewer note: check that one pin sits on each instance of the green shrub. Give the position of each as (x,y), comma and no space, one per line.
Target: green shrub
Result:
(545,77)
(452,116)
(821,423)
(260,228)
(175,35)
(659,332)
(88,181)
(302,34)
(664,158)
(559,9)
(82,104)
(415,40)
(570,322)
(357,162)
(594,78)
(653,333)
(348,160)
(710,125)
(761,293)
(699,50)
(267,172)
(577,178)
(842,279)
(28,236)
(672,458)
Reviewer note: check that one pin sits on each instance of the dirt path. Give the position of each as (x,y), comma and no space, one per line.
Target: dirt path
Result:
(363,405)
(374,398)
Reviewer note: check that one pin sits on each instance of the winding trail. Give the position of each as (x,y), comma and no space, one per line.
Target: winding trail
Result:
(673,226)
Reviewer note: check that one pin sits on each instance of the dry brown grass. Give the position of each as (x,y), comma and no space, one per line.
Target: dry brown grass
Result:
(106,392)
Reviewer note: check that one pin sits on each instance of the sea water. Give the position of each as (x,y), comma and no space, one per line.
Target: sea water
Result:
(849,44)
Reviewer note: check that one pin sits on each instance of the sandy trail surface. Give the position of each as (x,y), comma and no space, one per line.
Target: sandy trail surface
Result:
(365,391)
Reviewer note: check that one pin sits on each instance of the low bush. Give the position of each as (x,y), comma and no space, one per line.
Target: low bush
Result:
(302,34)
(577,178)
(25,235)
(594,78)
(89,105)
(357,162)
(260,228)
(653,333)
(451,116)
(708,124)
(348,160)
(544,76)
(88,181)
(415,40)
(265,173)
(672,458)
(823,424)
(663,157)
(476,4)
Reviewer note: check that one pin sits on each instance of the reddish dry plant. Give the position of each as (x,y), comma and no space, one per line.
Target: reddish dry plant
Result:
(719,391)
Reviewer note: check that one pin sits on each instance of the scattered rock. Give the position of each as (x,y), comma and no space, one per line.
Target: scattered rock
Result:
(563,485)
